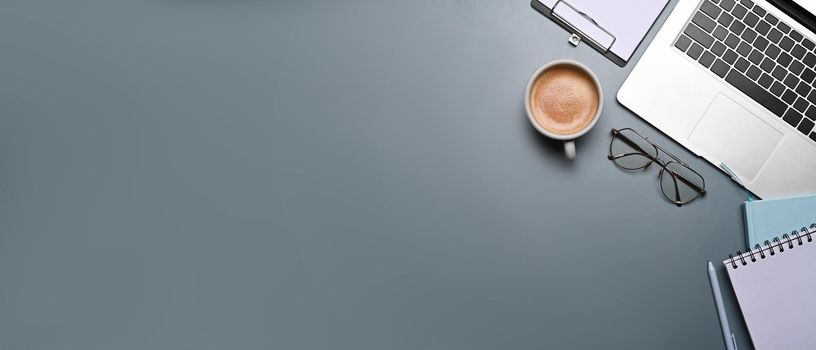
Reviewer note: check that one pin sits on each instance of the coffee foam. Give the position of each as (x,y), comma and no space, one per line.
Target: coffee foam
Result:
(564,99)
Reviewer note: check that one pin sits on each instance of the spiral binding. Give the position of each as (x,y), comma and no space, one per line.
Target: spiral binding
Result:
(773,247)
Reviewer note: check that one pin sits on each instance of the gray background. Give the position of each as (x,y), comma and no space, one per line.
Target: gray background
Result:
(247,174)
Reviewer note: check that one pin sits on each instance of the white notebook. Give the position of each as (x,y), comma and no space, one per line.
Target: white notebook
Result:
(775,284)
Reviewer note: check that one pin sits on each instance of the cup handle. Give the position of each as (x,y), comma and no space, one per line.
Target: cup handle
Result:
(569,149)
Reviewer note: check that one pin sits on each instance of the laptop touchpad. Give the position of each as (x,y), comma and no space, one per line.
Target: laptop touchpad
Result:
(735,136)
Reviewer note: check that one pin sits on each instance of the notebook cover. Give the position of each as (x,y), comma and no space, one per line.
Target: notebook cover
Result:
(774,291)
(766,219)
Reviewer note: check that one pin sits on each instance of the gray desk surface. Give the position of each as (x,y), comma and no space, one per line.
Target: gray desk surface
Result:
(250,174)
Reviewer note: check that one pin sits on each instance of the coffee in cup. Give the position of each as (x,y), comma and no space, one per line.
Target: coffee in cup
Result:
(564,101)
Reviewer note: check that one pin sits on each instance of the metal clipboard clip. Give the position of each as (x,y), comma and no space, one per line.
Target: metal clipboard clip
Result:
(582,26)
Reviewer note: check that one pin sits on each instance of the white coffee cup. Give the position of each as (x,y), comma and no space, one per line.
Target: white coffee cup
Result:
(569,139)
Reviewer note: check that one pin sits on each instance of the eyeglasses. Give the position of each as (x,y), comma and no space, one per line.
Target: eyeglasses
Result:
(632,151)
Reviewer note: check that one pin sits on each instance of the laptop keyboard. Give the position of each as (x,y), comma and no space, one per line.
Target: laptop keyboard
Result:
(759,55)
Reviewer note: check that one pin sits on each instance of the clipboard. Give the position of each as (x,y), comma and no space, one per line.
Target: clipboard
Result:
(613,28)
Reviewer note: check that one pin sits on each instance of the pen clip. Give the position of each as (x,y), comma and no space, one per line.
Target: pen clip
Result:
(734,341)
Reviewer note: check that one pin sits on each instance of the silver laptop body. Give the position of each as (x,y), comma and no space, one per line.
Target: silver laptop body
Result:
(726,80)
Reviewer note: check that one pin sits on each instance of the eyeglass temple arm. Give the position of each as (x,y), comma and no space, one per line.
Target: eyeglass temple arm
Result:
(676,188)
(637,147)
(613,157)
(685,181)
(617,132)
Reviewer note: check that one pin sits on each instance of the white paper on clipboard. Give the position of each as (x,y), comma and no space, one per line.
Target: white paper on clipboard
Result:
(616,25)
(583,24)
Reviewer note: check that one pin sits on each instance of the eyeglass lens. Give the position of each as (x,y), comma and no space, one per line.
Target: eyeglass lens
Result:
(679,183)
(631,151)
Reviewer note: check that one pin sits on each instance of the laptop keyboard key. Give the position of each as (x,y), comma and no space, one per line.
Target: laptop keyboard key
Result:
(791,81)
(744,49)
(810,60)
(774,35)
(751,20)
(710,9)
(720,68)
(777,88)
(759,11)
(761,43)
(720,33)
(784,28)
(739,11)
(767,65)
(784,59)
(699,35)
(763,27)
(807,76)
(779,73)
(772,51)
(789,96)
(683,43)
(704,22)
(747,3)
(730,56)
(727,4)
(742,65)
(765,81)
(707,59)
(796,36)
(732,41)
(718,48)
(754,73)
(803,89)
(811,113)
(771,19)
(800,105)
(786,43)
(792,117)
(798,51)
(796,67)
(749,35)
(737,27)
(695,51)
(805,126)
(725,19)
(756,92)
(808,44)
(755,57)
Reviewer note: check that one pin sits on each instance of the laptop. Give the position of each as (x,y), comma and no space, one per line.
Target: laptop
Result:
(733,81)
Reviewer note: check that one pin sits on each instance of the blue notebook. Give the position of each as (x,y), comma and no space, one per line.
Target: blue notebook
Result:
(766,219)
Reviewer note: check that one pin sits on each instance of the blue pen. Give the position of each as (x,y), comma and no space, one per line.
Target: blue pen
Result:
(730,341)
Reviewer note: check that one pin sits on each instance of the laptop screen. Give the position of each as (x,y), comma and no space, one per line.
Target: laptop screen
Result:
(807,5)
(803,11)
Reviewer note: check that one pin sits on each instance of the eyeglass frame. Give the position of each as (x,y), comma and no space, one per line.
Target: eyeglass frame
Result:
(656,159)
